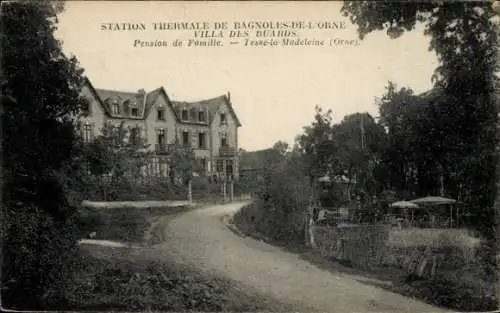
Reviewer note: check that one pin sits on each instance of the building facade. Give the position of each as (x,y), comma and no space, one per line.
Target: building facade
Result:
(209,127)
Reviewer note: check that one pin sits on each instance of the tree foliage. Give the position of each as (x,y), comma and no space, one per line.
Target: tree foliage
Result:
(39,90)
(351,149)
(465,39)
(284,192)
(119,151)
(182,162)
(361,142)
(318,146)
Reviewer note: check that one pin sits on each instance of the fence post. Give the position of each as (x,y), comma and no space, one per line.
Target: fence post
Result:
(223,187)
(190,191)
(306,229)
(226,196)
(231,191)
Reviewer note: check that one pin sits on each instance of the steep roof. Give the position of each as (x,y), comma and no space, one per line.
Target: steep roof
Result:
(97,96)
(106,94)
(212,105)
(151,99)
(145,101)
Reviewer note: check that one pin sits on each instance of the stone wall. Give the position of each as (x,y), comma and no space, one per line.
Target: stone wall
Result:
(363,246)
(370,246)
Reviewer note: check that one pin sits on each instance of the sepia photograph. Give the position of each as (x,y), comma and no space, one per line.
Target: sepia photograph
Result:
(250,156)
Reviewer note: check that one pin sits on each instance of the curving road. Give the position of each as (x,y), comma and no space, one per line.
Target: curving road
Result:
(201,238)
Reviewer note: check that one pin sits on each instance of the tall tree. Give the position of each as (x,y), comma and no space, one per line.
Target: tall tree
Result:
(361,141)
(464,37)
(412,155)
(318,146)
(40,89)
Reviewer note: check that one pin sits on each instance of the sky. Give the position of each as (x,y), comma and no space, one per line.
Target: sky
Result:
(273,89)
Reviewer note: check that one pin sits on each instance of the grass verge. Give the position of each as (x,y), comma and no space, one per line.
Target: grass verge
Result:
(445,290)
(127,224)
(105,278)
(142,278)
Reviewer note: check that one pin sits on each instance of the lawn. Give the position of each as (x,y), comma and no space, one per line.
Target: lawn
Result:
(131,222)
(415,237)
(141,278)
(463,288)
(107,278)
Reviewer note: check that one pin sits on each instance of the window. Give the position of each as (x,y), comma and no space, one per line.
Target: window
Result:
(135,135)
(223,120)
(116,134)
(223,140)
(116,108)
(161,114)
(126,107)
(201,140)
(201,116)
(155,167)
(220,166)
(134,112)
(163,169)
(87,132)
(203,164)
(229,168)
(185,115)
(87,108)
(185,138)
(161,138)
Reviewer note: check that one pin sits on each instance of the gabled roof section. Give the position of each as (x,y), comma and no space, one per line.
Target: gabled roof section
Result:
(107,96)
(145,102)
(151,100)
(96,95)
(212,106)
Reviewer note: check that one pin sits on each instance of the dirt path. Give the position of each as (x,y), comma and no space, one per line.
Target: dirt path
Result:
(202,239)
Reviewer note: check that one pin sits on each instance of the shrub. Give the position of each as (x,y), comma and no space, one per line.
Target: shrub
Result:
(36,246)
(204,188)
(109,283)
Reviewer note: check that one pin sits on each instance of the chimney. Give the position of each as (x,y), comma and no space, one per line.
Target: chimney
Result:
(228,96)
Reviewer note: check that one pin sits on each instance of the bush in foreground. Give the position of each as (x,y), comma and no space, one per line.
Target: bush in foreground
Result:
(140,284)
(40,91)
(35,248)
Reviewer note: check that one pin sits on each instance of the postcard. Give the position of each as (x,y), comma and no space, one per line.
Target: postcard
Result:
(250,156)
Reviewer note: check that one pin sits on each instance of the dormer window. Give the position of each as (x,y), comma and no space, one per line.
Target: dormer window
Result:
(87,108)
(126,108)
(223,140)
(160,114)
(223,120)
(192,114)
(185,115)
(201,116)
(134,112)
(116,108)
